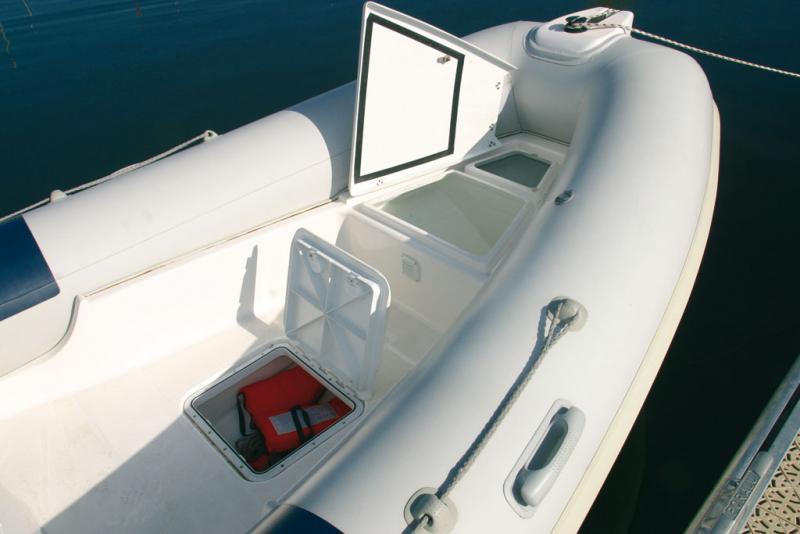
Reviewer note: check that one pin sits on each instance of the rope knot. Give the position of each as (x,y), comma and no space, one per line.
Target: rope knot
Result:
(576,24)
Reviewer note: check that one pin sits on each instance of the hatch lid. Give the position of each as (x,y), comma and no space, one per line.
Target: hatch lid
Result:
(425,99)
(336,308)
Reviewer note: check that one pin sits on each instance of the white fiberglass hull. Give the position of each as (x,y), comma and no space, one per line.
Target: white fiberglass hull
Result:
(161,297)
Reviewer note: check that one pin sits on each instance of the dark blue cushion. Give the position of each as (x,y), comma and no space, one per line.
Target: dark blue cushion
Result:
(25,277)
(288,519)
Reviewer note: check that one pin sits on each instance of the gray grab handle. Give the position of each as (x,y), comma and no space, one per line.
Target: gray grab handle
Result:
(545,464)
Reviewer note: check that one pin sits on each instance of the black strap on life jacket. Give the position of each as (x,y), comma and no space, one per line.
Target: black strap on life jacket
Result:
(243,415)
(297,412)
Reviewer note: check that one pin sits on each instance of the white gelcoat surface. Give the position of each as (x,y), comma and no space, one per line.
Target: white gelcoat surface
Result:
(97,440)
(619,211)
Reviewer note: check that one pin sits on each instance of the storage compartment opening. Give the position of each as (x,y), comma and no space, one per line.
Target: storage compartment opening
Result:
(518,167)
(462,211)
(264,415)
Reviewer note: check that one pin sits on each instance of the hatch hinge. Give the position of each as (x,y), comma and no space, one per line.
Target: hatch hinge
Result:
(350,392)
(324,372)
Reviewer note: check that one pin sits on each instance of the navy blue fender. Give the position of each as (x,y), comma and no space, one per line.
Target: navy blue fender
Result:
(288,519)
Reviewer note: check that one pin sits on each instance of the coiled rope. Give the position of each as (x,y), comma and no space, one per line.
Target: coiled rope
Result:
(56,195)
(582,23)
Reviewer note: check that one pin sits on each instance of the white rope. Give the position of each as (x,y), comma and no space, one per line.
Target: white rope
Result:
(556,330)
(589,25)
(558,327)
(419,526)
(205,136)
(26,209)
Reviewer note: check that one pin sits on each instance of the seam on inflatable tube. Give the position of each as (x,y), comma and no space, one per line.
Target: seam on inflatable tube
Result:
(80,298)
(207,212)
(202,248)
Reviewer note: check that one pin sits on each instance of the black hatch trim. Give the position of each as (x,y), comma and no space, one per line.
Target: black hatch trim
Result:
(373,19)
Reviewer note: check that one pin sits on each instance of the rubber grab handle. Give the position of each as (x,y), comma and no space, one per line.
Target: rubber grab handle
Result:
(549,458)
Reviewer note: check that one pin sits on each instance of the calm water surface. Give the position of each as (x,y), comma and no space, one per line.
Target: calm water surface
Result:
(88,86)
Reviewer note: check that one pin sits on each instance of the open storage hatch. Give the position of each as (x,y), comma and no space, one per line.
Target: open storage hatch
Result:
(467,214)
(425,100)
(335,321)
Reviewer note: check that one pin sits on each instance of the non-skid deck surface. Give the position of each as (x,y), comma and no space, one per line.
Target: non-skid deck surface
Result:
(778,510)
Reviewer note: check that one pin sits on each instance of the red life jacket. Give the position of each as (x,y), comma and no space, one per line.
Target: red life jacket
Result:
(288,430)
(285,409)
(260,463)
(280,392)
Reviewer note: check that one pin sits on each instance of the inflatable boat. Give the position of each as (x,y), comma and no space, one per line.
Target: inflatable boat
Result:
(432,300)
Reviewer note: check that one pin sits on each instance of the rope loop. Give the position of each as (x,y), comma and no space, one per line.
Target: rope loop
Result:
(430,510)
(208,135)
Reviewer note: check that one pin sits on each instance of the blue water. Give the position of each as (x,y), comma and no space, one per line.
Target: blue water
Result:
(87,87)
